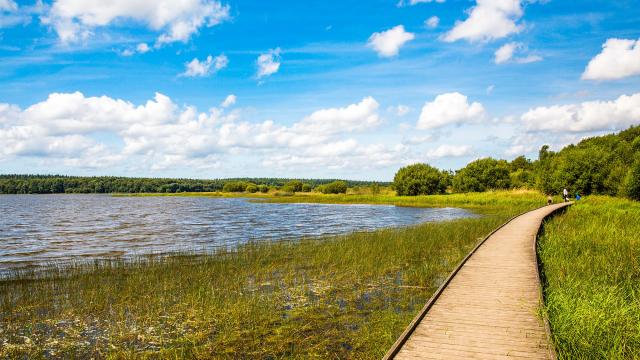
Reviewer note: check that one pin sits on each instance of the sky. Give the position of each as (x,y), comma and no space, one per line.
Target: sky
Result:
(307,89)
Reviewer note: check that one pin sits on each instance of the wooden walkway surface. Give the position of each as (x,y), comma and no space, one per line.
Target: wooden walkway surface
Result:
(489,308)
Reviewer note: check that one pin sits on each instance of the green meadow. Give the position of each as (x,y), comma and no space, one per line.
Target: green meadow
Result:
(591,259)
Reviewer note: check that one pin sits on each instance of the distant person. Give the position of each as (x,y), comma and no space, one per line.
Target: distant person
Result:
(549,200)
(565,194)
(578,197)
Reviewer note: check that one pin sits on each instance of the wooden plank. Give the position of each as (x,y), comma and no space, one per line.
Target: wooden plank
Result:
(487,308)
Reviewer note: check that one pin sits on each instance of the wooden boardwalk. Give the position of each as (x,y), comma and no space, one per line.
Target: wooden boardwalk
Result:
(488,309)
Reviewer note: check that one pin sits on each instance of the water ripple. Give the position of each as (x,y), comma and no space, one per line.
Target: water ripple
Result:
(39,229)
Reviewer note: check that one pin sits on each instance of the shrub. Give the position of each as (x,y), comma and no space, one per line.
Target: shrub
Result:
(335,187)
(306,188)
(632,182)
(251,188)
(293,186)
(419,179)
(482,175)
(263,188)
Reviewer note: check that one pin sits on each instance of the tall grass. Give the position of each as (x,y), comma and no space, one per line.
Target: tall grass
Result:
(591,261)
(346,296)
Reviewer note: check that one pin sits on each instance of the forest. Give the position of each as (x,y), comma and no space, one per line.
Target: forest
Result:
(57,184)
(603,165)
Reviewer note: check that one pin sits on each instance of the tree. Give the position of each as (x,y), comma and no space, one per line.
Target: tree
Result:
(251,188)
(306,188)
(335,187)
(632,182)
(234,186)
(419,179)
(482,175)
(293,186)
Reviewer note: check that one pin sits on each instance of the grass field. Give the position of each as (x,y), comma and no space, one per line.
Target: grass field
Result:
(591,258)
(339,297)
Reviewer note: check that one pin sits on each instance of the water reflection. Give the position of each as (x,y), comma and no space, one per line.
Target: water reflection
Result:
(36,229)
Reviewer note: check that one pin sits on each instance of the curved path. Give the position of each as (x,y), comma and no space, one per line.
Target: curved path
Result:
(488,308)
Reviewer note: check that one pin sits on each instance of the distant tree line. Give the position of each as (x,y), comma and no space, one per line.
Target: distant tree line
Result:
(608,165)
(54,184)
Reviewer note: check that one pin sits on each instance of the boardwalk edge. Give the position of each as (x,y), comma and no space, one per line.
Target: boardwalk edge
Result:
(540,275)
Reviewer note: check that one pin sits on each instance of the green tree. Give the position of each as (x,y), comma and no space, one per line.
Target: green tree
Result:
(334,187)
(251,188)
(482,175)
(632,182)
(306,188)
(419,179)
(293,186)
(234,186)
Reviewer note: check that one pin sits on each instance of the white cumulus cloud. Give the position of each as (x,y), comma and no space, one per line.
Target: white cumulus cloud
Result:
(587,116)
(432,22)
(450,109)
(75,20)
(402,3)
(620,58)
(488,20)
(507,51)
(268,63)
(159,134)
(388,43)
(399,110)
(360,116)
(449,151)
(142,48)
(8,5)
(207,67)
(230,100)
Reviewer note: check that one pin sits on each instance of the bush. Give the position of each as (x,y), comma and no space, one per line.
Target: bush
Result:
(419,179)
(263,188)
(335,187)
(235,186)
(251,188)
(306,188)
(293,186)
(632,182)
(482,175)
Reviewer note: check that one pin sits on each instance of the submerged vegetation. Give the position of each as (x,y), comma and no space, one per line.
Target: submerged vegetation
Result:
(591,261)
(343,296)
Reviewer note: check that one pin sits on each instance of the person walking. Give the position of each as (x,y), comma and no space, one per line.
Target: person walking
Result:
(565,194)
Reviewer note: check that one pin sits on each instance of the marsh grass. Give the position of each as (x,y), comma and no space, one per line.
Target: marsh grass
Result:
(591,261)
(344,296)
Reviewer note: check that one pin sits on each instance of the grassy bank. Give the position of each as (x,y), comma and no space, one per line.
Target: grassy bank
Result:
(482,201)
(339,297)
(591,258)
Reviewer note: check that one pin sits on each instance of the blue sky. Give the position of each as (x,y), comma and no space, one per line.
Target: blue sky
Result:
(350,89)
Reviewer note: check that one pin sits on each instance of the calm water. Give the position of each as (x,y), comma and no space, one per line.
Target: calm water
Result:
(37,229)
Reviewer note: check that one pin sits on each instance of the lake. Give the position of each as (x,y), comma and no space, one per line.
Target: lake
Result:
(40,229)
